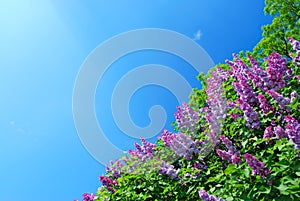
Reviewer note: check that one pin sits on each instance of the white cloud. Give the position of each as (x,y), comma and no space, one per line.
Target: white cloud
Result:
(197,35)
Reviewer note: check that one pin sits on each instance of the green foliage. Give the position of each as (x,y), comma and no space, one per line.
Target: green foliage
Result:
(285,24)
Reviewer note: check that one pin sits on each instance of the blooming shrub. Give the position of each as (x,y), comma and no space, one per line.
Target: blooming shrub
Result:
(242,144)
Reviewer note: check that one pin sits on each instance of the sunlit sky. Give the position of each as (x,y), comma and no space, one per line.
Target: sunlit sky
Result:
(43,44)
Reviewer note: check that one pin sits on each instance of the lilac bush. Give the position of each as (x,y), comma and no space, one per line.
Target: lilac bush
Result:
(249,109)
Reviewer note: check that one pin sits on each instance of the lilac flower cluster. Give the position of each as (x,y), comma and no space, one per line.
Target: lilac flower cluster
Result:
(245,91)
(264,104)
(268,133)
(234,116)
(184,146)
(115,169)
(272,78)
(222,73)
(251,116)
(292,129)
(282,101)
(109,183)
(167,169)
(88,197)
(140,156)
(186,118)
(276,70)
(258,168)
(167,137)
(231,104)
(217,105)
(232,156)
(258,76)
(206,197)
(294,94)
(200,165)
(146,148)
(277,131)
(280,132)
(296,46)
(239,67)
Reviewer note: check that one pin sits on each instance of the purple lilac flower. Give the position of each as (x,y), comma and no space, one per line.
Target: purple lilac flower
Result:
(115,169)
(288,75)
(254,63)
(217,105)
(245,91)
(200,165)
(186,118)
(282,101)
(206,197)
(276,70)
(258,168)
(88,197)
(251,116)
(235,116)
(292,129)
(109,183)
(223,73)
(294,94)
(239,67)
(140,155)
(146,148)
(167,169)
(264,104)
(259,78)
(268,133)
(296,46)
(280,132)
(167,137)
(232,156)
(230,104)
(183,146)
(232,149)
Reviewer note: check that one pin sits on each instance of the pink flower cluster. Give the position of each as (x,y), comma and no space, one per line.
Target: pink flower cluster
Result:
(258,168)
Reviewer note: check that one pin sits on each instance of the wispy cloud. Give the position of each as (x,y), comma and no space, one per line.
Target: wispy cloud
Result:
(12,123)
(197,35)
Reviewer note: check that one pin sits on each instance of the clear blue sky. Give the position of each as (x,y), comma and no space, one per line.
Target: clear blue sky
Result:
(42,46)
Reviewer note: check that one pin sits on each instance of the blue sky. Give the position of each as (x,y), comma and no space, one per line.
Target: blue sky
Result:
(42,46)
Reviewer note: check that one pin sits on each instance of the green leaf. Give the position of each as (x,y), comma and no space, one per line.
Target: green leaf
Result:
(230,169)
